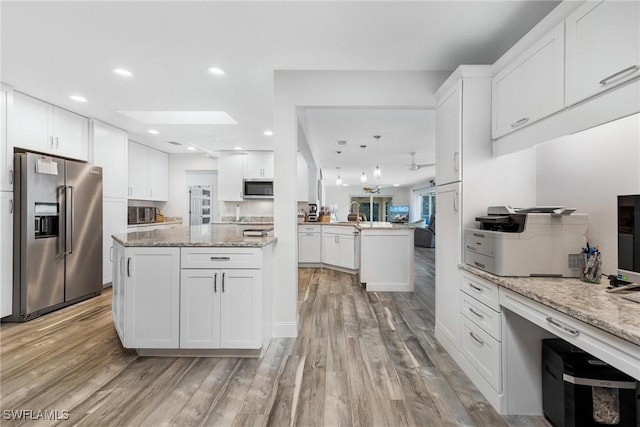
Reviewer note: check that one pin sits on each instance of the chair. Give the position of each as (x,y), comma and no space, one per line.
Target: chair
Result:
(425,237)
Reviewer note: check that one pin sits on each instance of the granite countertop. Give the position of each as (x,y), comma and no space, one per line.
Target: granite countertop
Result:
(364,225)
(151,224)
(587,302)
(210,235)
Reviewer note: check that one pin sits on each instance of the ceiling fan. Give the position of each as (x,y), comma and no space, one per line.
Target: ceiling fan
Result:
(414,166)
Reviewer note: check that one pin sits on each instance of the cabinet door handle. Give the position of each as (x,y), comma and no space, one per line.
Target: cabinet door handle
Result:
(563,327)
(631,69)
(215,282)
(456,161)
(51,142)
(57,142)
(220,258)
(477,288)
(129,267)
(455,202)
(222,282)
(310,234)
(11,207)
(476,339)
(111,254)
(10,177)
(520,122)
(475,313)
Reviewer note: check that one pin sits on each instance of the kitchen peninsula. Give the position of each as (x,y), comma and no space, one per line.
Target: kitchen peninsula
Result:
(381,252)
(196,291)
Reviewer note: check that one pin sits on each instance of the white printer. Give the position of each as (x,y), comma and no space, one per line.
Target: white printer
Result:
(539,241)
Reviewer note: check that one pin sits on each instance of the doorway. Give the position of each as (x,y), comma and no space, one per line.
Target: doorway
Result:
(202,197)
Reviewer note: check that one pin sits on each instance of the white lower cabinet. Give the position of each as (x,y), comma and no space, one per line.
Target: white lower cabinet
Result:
(309,243)
(220,309)
(6,253)
(341,246)
(147,294)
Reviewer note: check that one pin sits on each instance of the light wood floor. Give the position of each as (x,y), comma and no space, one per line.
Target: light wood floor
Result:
(361,359)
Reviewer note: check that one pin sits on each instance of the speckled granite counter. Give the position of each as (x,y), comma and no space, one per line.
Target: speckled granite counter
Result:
(155,224)
(202,235)
(586,302)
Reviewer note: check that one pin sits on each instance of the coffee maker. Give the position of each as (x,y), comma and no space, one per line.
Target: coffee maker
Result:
(313,213)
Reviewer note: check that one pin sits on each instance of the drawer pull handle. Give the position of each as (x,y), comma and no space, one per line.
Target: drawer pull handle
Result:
(220,258)
(215,282)
(520,122)
(471,248)
(310,234)
(476,288)
(563,327)
(476,339)
(478,235)
(479,264)
(632,69)
(222,282)
(478,315)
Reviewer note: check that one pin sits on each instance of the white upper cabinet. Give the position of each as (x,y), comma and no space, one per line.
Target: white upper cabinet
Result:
(531,87)
(6,148)
(603,47)
(148,173)
(259,165)
(449,135)
(46,128)
(158,175)
(111,151)
(230,175)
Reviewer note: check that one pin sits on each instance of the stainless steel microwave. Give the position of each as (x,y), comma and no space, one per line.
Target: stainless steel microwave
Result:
(257,189)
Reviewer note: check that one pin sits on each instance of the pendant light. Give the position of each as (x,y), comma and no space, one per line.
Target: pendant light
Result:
(377,173)
(363,177)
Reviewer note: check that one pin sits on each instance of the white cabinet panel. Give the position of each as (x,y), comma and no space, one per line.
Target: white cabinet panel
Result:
(31,123)
(230,176)
(448,253)
(347,248)
(200,292)
(309,247)
(158,175)
(111,152)
(241,309)
(449,136)
(531,87)
(114,221)
(118,271)
(6,142)
(483,352)
(148,173)
(259,165)
(43,127)
(340,247)
(152,297)
(602,47)
(330,249)
(6,253)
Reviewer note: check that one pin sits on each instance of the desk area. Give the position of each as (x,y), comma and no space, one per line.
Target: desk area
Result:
(527,310)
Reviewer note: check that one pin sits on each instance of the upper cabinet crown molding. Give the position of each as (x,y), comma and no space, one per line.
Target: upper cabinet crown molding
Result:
(463,71)
(39,126)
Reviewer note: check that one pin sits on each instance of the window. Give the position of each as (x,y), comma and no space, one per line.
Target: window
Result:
(380,207)
(427,206)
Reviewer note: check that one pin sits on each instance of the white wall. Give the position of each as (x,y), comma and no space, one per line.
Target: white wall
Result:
(179,164)
(247,208)
(587,171)
(293,89)
(341,196)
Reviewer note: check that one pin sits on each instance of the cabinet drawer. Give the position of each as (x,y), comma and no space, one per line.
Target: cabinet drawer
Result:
(221,258)
(483,316)
(482,290)
(483,352)
(309,228)
(337,229)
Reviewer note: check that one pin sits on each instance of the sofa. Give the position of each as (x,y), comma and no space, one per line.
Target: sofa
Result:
(426,237)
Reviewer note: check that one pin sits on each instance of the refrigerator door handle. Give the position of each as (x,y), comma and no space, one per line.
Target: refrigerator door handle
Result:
(69,217)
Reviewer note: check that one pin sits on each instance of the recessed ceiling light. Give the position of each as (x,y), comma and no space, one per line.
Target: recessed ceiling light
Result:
(122,72)
(216,71)
(237,148)
(153,131)
(191,148)
(181,117)
(396,185)
(268,132)
(78,98)
(345,185)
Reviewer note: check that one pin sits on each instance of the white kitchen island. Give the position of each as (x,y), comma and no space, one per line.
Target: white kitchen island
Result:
(193,291)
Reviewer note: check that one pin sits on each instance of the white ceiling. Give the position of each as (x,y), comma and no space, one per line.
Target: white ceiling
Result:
(54,49)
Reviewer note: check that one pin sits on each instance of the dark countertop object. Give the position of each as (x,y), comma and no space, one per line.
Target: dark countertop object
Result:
(210,235)
(586,302)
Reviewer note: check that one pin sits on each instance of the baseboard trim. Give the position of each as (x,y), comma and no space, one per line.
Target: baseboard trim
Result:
(285,330)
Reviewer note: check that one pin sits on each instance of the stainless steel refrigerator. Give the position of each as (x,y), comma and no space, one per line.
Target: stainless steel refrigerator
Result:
(58,238)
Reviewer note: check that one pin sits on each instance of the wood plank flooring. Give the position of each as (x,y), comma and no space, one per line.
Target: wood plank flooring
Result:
(361,359)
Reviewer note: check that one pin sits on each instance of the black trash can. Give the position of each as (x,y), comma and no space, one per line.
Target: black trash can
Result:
(579,390)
